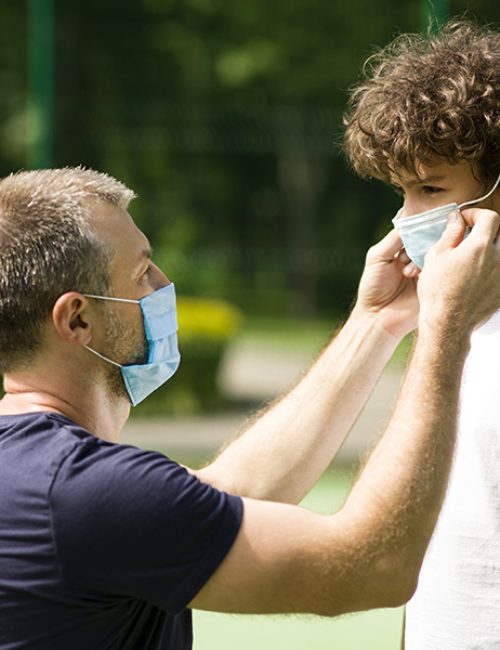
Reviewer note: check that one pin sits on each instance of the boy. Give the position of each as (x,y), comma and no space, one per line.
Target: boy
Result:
(426,118)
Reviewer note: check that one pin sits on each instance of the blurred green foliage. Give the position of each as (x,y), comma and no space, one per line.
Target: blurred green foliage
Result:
(225,118)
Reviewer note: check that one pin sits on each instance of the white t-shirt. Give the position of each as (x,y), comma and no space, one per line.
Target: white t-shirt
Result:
(457,603)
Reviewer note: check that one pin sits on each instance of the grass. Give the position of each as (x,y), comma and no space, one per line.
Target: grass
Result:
(375,630)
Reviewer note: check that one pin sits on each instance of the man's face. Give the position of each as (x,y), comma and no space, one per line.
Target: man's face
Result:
(439,184)
(132,272)
(133,275)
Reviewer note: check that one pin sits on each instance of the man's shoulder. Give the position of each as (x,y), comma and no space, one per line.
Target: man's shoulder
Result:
(32,445)
(132,521)
(50,448)
(105,479)
(34,428)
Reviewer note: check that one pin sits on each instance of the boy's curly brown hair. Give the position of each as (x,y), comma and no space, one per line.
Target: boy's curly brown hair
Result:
(423,98)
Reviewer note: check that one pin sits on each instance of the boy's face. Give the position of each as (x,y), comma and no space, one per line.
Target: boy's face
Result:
(439,184)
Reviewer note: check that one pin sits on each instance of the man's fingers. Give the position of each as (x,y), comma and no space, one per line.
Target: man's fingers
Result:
(403,256)
(454,232)
(483,223)
(411,270)
(388,247)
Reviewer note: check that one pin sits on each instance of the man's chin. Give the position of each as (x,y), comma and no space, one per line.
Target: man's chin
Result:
(139,361)
(116,389)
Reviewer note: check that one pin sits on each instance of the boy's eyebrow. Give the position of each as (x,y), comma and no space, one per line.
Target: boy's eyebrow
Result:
(424,180)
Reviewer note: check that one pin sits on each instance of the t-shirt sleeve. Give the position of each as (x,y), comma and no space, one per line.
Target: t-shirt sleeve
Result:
(132,523)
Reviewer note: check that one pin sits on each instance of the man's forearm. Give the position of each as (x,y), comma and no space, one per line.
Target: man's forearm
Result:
(369,553)
(395,503)
(282,455)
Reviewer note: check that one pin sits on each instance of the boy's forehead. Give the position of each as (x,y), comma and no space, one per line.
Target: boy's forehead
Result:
(440,170)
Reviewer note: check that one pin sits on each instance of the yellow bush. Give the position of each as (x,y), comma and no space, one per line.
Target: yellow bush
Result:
(205,318)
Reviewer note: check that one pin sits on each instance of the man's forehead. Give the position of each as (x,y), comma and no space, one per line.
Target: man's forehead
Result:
(118,231)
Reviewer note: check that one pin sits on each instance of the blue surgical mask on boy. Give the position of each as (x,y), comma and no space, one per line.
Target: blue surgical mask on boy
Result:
(160,326)
(421,231)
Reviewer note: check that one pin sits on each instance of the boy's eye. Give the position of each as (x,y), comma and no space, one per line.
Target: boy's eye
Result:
(431,189)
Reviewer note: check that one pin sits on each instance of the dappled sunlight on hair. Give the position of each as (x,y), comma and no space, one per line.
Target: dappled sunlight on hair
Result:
(427,98)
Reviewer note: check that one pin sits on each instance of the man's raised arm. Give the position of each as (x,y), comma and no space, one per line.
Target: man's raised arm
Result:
(282,455)
(286,559)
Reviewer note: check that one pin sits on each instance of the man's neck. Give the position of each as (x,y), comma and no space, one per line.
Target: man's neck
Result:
(93,410)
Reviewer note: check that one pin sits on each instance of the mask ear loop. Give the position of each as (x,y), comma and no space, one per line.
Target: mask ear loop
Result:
(101,356)
(98,354)
(482,197)
(91,295)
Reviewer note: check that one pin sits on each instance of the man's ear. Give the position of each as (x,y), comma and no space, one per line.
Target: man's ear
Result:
(71,318)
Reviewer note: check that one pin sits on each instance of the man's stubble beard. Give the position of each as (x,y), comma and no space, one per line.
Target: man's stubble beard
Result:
(124,345)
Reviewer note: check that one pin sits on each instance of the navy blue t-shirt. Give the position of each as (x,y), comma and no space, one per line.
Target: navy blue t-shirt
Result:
(102,545)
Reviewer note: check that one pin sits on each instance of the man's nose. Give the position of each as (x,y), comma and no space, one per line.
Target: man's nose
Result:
(158,278)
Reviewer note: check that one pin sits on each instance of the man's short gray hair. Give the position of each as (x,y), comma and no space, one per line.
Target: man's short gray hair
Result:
(48,247)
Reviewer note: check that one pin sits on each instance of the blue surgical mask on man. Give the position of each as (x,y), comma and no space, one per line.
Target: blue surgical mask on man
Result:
(421,231)
(160,326)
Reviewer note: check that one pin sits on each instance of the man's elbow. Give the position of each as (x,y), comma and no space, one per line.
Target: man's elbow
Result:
(391,582)
(400,592)
(389,589)
(397,585)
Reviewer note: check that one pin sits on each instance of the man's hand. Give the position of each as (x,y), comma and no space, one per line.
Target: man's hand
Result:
(388,287)
(461,276)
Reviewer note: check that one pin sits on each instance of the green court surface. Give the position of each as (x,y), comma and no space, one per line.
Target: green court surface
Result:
(375,630)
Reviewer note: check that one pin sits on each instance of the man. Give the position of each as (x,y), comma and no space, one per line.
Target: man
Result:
(426,118)
(104,545)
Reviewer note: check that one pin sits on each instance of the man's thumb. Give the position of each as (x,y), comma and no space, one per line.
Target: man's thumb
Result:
(455,229)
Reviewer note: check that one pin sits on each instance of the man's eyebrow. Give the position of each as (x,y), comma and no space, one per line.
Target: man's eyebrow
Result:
(145,254)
